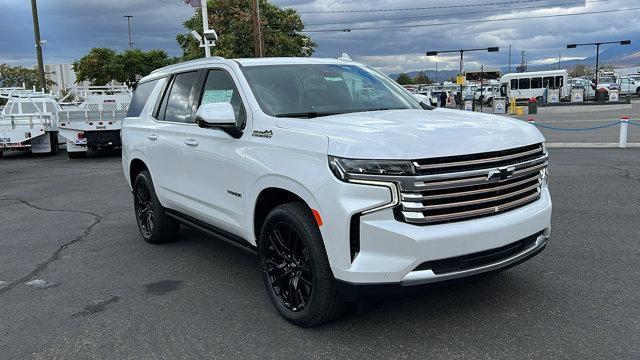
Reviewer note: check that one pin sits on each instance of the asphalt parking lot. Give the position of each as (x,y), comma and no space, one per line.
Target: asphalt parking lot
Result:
(77,280)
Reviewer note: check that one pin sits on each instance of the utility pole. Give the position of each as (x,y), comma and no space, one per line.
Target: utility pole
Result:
(36,32)
(436,73)
(509,59)
(258,46)
(559,59)
(129,26)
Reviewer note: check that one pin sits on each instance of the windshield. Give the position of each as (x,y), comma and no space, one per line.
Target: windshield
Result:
(310,90)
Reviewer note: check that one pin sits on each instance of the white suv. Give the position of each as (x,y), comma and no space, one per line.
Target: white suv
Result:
(344,184)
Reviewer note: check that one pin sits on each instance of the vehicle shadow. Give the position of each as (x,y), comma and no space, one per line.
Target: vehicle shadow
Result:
(449,304)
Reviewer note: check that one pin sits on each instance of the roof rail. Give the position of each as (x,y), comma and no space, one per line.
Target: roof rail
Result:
(345,57)
(187,63)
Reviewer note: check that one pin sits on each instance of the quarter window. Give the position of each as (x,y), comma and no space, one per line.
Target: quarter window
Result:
(176,106)
(219,87)
(140,97)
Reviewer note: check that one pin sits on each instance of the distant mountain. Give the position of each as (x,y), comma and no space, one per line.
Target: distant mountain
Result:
(616,55)
(431,74)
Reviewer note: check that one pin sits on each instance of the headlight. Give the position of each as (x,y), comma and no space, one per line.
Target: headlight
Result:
(342,166)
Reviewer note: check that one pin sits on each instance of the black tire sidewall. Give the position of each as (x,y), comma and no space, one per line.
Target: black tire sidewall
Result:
(307,234)
(145,177)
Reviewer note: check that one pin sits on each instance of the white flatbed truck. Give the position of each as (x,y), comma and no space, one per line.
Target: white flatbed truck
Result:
(96,122)
(28,122)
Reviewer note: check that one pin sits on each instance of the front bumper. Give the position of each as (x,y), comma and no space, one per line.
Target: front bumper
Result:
(390,251)
(355,292)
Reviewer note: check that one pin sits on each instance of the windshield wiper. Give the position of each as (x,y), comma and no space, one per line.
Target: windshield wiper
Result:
(308,114)
(381,109)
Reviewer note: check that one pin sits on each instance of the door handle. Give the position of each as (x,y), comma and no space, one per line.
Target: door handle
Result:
(152,137)
(191,142)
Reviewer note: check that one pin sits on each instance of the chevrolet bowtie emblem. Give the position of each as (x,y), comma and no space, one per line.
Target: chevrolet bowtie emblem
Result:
(502,172)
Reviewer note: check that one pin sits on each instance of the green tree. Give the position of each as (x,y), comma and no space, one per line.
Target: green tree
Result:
(99,66)
(581,70)
(422,78)
(404,79)
(137,63)
(102,65)
(16,76)
(281,31)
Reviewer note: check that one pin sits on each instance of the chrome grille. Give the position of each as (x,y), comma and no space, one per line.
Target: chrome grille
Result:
(463,187)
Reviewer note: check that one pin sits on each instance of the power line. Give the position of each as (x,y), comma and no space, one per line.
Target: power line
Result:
(450,14)
(173,3)
(471,21)
(416,8)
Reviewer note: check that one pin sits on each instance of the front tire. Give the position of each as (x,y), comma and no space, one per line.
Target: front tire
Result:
(295,268)
(155,225)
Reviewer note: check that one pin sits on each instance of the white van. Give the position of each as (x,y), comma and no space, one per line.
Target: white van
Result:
(529,85)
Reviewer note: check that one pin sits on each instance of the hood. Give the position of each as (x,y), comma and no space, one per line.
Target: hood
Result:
(415,134)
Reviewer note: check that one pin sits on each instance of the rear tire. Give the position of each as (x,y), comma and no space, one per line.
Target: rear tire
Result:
(155,225)
(55,146)
(295,268)
(77,154)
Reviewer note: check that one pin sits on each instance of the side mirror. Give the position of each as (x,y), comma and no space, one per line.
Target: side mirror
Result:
(218,116)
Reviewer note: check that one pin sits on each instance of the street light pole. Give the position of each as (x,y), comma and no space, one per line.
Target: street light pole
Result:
(129,27)
(36,33)
(597,44)
(597,63)
(462,51)
(461,67)
(205,28)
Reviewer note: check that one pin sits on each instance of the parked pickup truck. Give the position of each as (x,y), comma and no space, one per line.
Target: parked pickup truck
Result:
(342,182)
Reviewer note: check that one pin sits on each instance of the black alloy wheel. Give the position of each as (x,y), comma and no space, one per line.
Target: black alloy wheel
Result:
(144,208)
(155,225)
(288,267)
(295,268)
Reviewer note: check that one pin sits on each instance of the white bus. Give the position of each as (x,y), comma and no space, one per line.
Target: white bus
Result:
(529,85)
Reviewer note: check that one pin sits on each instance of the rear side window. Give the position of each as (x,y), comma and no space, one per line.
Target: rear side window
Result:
(536,83)
(140,97)
(176,105)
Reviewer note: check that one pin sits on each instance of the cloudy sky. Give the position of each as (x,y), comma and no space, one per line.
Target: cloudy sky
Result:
(390,34)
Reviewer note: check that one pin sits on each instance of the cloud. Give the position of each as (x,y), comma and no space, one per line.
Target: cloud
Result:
(72,27)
